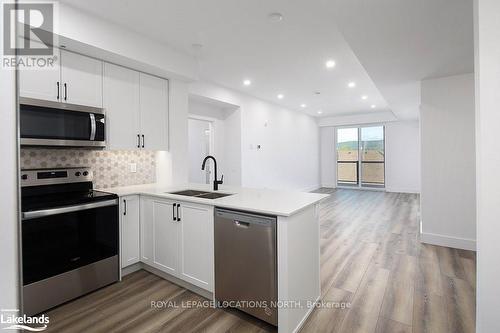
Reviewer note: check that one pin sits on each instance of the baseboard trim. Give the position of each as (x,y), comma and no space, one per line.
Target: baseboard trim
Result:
(310,188)
(401,190)
(448,241)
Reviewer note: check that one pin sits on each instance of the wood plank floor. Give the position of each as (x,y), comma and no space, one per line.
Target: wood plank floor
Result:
(371,262)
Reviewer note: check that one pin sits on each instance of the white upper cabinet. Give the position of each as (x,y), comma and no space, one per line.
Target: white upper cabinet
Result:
(154,112)
(74,79)
(42,83)
(121,104)
(81,79)
(136,106)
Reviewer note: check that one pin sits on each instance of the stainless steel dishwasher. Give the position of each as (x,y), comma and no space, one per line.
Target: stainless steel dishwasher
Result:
(246,263)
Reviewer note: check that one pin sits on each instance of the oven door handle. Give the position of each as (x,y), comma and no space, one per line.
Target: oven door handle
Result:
(92,127)
(55,211)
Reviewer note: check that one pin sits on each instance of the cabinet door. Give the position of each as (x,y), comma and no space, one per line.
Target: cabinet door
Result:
(165,236)
(130,216)
(154,112)
(42,83)
(121,104)
(146,230)
(83,79)
(196,245)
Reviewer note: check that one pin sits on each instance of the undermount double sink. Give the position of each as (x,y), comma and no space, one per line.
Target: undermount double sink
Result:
(201,194)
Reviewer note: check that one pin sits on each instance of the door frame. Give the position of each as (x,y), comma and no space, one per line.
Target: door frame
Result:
(360,171)
(211,137)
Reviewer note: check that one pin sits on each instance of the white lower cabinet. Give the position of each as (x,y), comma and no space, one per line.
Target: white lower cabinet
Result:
(196,246)
(129,230)
(165,237)
(177,238)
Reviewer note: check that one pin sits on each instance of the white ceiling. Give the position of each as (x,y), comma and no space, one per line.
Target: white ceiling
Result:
(398,41)
(401,42)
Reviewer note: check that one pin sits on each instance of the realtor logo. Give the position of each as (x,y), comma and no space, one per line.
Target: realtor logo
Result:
(35,22)
(11,320)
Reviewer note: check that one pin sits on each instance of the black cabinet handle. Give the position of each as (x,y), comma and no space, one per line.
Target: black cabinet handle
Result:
(178,216)
(124,207)
(143,141)
(65,92)
(58,90)
(138,141)
(173,212)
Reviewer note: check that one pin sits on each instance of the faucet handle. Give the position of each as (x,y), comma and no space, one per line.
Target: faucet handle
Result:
(221,179)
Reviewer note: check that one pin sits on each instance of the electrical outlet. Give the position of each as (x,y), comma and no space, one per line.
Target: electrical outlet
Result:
(133,167)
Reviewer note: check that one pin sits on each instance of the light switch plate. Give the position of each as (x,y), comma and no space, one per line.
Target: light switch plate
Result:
(133,167)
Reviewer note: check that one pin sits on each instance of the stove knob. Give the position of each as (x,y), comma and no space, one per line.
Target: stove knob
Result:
(78,173)
(85,173)
(24,177)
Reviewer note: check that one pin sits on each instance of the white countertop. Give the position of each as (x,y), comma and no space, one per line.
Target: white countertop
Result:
(273,202)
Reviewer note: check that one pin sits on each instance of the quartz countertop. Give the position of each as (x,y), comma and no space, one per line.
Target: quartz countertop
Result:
(265,201)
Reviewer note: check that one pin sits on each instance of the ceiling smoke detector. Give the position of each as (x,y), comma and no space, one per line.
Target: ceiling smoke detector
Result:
(275,17)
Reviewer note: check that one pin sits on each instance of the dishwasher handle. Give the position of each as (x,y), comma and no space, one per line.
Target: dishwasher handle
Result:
(244,217)
(243,225)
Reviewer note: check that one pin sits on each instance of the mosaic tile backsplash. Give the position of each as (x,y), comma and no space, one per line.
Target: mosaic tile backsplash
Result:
(110,168)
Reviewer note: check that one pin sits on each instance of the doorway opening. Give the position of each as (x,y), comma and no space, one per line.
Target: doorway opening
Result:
(360,153)
(200,145)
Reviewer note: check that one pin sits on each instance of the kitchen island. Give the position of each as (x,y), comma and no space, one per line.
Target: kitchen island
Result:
(182,250)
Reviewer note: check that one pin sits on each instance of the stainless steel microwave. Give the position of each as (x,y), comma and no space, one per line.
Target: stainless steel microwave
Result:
(47,123)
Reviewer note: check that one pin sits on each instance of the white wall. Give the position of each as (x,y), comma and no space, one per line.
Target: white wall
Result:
(487,65)
(448,162)
(328,164)
(402,156)
(9,285)
(178,132)
(289,154)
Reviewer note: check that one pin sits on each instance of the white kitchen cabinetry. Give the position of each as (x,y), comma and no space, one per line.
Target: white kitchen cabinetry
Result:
(177,238)
(74,79)
(42,83)
(136,107)
(197,245)
(81,79)
(165,237)
(121,102)
(129,230)
(154,112)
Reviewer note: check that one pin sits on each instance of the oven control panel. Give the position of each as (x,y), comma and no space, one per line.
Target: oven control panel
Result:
(35,177)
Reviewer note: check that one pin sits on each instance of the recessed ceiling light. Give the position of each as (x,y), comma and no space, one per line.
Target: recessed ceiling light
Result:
(280,96)
(303,105)
(330,64)
(351,84)
(275,17)
(247,82)
(320,112)
(373,106)
(364,97)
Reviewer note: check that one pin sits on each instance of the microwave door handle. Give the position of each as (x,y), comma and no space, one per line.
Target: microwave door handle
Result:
(92,127)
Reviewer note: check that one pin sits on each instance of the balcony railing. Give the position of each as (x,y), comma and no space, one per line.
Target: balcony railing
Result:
(373,173)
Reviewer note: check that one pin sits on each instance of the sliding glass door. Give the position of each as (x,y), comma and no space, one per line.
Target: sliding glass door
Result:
(372,149)
(361,157)
(348,157)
